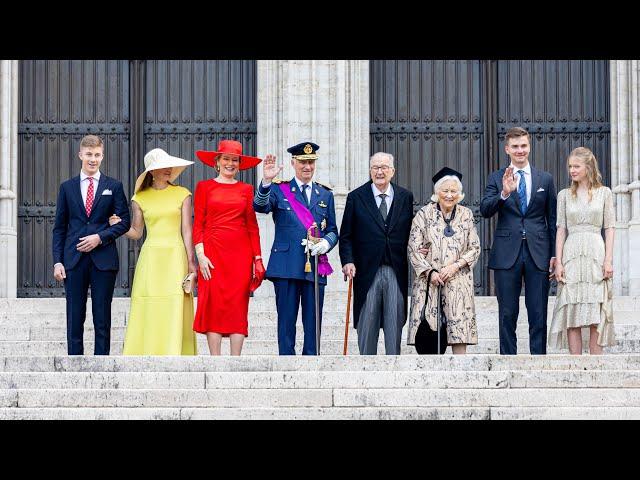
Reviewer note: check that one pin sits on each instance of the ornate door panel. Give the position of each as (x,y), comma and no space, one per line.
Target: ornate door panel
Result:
(60,102)
(181,106)
(429,114)
(432,113)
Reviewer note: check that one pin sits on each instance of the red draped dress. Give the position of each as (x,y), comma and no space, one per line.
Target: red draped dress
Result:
(225,222)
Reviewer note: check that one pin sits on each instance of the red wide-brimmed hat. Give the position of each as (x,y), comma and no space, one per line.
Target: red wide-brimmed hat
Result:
(232,147)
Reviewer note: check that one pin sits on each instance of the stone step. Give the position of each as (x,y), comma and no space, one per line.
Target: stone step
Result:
(59,319)
(426,379)
(302,380)
(266,314)
(270,347)
(251,363)
(484,319)
(525,397)
(358,363)
(565,413)
(334,301)
(270,333)
(326,397)
(102,380)
(236,398)
(295,413)
(361,413)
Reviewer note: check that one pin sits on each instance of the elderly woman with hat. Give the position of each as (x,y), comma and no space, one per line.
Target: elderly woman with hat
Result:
(161,316)
(444,277)
(227,245)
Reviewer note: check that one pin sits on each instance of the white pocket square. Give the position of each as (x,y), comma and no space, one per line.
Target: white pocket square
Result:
(109,192)
(540,190)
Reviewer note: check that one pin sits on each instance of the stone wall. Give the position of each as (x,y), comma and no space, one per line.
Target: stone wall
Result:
(8,178)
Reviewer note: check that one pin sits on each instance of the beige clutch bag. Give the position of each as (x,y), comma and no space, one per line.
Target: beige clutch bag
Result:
(189,282)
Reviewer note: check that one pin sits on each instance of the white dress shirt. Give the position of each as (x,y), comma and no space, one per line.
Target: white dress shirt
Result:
(308,192)
(527,181)
(388,199)
(84,185)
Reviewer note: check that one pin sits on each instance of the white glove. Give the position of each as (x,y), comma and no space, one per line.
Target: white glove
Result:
(321,247)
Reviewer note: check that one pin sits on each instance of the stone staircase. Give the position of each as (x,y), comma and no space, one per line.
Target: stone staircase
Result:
(39,381)
(326,387)
(38,327)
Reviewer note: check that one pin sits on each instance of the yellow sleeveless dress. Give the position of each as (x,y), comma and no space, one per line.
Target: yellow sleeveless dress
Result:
(161,318)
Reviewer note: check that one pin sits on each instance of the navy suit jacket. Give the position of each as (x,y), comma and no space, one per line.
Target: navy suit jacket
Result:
(287,257)
(72,223)
(539,222)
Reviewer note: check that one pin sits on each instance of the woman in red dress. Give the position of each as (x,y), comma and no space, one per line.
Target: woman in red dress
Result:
(227,244)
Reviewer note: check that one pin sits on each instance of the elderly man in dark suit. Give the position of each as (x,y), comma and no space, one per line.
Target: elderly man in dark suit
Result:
(524,243)
(373,243)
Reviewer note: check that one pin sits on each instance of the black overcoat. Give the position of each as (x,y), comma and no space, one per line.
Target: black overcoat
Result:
(364,237)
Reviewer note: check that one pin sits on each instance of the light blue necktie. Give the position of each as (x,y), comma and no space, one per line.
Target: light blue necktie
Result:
(522,192)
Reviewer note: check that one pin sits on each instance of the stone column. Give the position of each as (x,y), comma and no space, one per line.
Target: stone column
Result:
(625,174)
(8,178)
(324,101)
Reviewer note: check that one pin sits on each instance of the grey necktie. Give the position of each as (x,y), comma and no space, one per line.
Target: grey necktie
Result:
(383,206)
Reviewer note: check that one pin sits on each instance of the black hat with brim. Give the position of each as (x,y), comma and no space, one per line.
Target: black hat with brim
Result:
(445,171)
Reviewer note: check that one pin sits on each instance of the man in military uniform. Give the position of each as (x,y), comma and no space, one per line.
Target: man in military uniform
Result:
(305,226)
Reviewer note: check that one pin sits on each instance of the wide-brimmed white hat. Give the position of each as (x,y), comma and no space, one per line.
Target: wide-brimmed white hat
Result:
(158,158)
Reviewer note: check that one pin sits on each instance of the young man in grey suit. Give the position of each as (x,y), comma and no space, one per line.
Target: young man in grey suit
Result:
(524,242)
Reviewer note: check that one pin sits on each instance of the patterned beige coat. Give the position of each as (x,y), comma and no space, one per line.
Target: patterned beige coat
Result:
(458,304)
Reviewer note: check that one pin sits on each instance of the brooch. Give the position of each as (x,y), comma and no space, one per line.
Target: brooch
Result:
(322,204)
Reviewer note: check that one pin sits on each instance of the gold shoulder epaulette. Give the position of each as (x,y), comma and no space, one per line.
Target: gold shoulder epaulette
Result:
(324,186)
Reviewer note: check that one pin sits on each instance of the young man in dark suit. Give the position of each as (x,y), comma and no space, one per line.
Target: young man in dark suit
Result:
(373,243)
(524,243)
(84,249)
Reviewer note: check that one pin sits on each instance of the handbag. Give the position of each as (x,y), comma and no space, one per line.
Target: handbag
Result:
(258,276)
(189,282)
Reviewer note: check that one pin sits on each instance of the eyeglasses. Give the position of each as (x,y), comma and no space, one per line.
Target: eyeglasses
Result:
(384,168)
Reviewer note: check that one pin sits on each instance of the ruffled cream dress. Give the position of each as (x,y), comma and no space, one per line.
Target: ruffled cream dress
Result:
(586,298)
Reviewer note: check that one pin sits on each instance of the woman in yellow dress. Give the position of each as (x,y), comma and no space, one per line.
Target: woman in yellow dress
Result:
(161,317)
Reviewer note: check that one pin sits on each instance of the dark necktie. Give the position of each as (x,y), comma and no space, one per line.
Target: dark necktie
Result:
(304,194)
(522,192)
(383,206)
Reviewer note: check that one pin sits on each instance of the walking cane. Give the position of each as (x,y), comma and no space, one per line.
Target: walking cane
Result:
(438,321)
(317,300)
(440,297)
(346,325)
